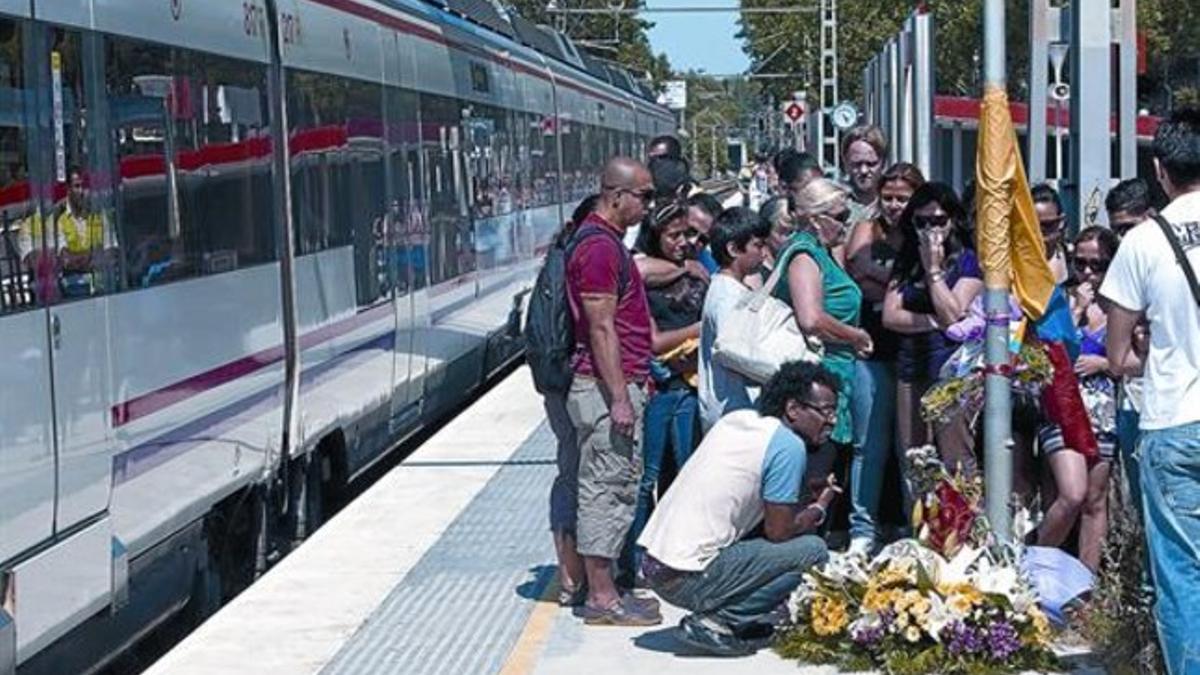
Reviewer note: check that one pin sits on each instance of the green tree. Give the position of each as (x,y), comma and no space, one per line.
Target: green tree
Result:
(790,43)
(716,109)
(618,37)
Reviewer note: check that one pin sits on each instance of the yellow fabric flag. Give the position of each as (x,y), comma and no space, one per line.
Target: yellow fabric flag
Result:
(1008,236)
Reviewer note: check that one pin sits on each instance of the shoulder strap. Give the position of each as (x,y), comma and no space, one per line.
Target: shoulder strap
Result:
(587,231)
(1180,256)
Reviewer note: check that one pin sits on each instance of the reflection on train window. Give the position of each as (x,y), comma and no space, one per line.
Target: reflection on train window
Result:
(65,245)
(192,138)
(16,284)
(451,245)
(405,228)
(338,188)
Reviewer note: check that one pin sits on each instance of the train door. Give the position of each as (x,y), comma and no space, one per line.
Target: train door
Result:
(79,267)
(406,250)
(26,409)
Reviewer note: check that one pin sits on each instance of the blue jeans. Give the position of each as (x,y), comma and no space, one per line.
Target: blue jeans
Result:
(1170,473)
(671,418)
(874,410)
(564,494)
(1127,440)
(745,581)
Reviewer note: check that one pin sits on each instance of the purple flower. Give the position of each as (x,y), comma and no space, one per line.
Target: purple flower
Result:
(1003,640)
(961,638)
(868,636)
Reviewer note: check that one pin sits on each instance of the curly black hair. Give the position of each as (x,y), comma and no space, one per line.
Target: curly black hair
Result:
(794,382)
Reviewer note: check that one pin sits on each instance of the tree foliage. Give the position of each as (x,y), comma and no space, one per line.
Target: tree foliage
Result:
(791,43)
(621,38)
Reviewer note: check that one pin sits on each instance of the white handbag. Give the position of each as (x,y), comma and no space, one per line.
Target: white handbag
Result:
(761,334)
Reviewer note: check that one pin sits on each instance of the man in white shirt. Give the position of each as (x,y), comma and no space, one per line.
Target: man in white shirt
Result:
(700,554)
(737,241)
(1146,280)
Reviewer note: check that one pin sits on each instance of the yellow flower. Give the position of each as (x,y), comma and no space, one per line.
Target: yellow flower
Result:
(828,615)
(896,573)
(878,599)
(1041,626)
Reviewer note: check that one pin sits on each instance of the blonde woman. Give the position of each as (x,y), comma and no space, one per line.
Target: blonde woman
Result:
(825,299)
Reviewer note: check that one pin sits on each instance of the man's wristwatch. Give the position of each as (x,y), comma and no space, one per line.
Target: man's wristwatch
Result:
(936,276)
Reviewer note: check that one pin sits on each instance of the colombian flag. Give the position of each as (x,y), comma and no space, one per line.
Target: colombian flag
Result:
(1010,246)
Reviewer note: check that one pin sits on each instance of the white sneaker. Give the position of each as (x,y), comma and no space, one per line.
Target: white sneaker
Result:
(861,547)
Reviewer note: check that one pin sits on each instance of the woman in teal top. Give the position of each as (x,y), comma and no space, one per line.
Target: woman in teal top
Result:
(822,294)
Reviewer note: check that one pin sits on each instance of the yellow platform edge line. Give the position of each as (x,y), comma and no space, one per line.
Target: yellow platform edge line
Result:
(523,657)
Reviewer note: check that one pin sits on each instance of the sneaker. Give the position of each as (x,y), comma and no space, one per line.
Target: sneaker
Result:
(712,637)
(624,613)
(861,547)
(572,597)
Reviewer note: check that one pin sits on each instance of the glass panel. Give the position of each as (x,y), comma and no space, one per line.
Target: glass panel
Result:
(16,205)
(406,228)
(451,246)
(192,140)
(338,183)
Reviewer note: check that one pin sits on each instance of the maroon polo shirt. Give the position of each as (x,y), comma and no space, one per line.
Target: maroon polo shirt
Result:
(595,267)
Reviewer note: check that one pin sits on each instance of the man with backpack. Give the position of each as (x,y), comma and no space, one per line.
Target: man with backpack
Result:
(610,366)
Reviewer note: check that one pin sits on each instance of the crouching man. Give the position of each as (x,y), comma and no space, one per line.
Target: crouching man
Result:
(702,548)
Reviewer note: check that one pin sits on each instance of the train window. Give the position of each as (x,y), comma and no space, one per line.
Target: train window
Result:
(192,142)
(405,225)
(495,185)
(16,206)
(223,148)
(451,245)
(338,183)
(62,245)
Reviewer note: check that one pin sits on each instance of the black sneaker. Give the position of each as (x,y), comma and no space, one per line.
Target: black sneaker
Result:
(712,637)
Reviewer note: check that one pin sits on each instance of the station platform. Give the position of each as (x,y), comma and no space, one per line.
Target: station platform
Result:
(445,565)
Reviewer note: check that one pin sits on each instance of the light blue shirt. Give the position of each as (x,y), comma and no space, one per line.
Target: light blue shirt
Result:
(784,465)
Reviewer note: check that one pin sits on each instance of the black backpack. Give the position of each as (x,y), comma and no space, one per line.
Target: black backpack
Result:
(549,328)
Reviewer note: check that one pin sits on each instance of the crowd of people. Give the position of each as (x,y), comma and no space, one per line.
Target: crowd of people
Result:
(680,474)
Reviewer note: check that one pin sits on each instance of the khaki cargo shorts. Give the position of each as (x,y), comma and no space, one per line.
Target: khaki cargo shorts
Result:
(610,467)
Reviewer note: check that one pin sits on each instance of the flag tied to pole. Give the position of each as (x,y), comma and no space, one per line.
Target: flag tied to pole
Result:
(1011,251)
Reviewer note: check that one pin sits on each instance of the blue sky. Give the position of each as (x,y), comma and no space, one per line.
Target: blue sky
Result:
(698,40)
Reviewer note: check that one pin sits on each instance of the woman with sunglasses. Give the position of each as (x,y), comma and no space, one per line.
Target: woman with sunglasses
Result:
(935,279)
(1086,487)
(824,298)
(870,255)
(672,413)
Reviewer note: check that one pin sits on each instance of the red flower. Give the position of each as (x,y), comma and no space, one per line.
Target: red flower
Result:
(955,515)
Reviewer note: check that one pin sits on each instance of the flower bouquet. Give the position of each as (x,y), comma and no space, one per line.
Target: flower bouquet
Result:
(959,389)
(950,601)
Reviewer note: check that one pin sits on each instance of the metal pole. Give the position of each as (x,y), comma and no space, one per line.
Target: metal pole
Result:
(997,423)
(1039,83)
(1127,89)
(1090,166)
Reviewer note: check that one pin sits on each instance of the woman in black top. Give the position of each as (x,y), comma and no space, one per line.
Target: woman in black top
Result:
(870,255)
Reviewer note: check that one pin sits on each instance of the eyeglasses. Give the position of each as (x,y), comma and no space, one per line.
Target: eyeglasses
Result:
(1120,228)
(643,195)
(925,222)
(1083,265)
(842,217)
(1051,226)
(825,412)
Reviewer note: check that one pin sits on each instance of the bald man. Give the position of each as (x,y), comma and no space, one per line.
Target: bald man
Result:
(613,337)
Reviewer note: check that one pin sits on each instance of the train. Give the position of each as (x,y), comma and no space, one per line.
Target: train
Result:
(246,248)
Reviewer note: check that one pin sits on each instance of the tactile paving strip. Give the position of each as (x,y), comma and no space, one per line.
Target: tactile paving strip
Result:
(464,604)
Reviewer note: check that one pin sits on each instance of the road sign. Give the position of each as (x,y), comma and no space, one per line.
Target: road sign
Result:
(794,111)
(674,94)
